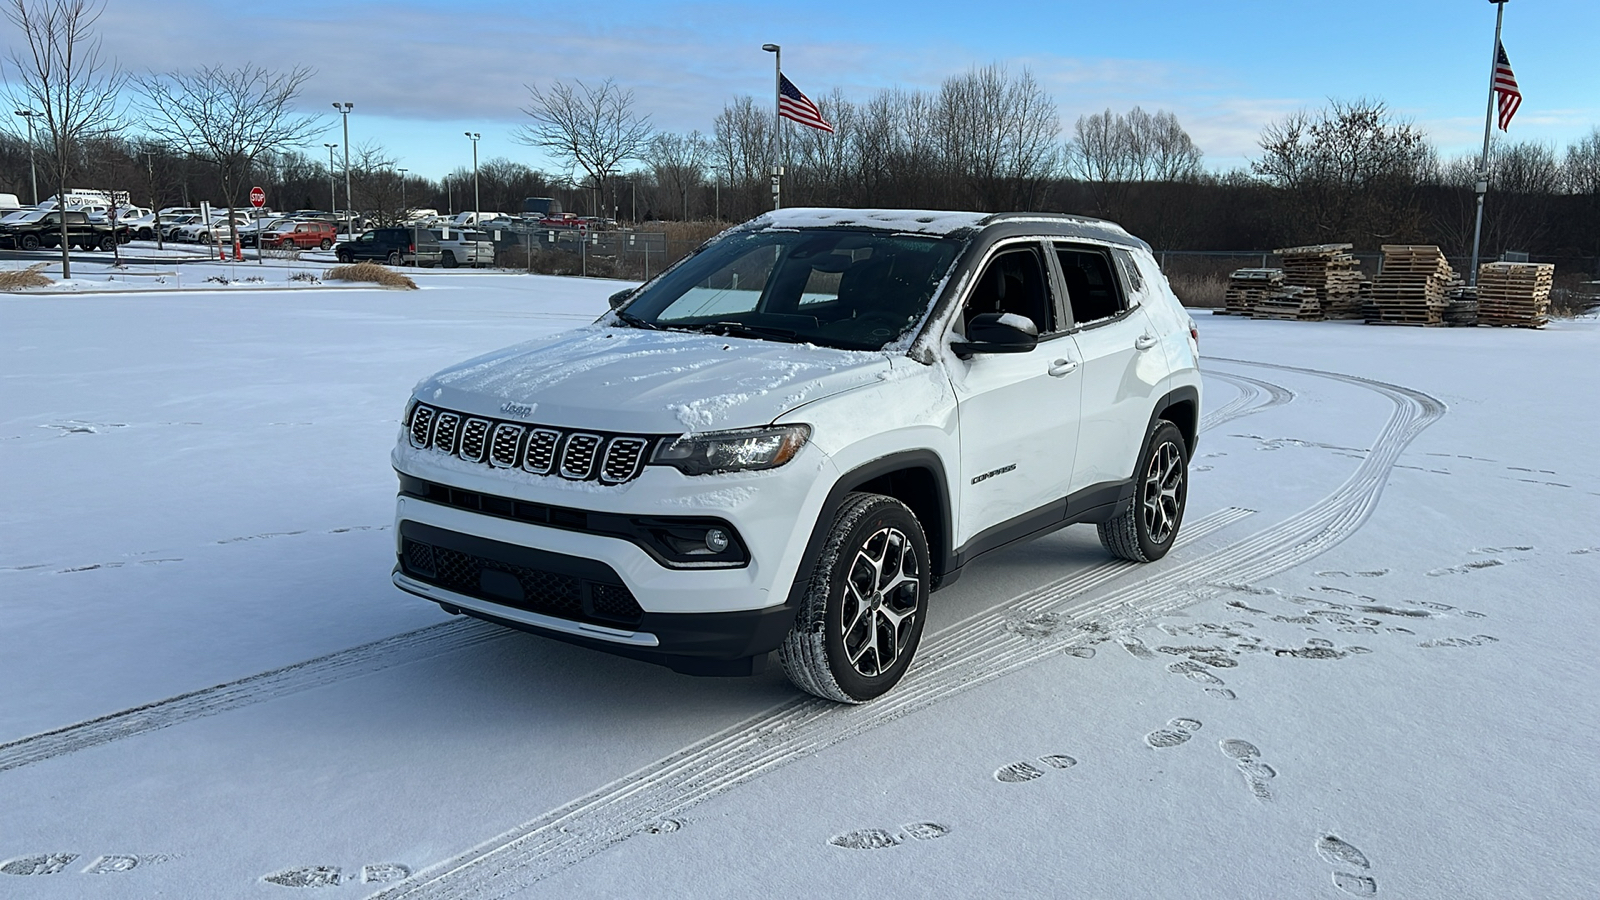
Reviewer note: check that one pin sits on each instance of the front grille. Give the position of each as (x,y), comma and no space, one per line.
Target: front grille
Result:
(521,587)
(573,455)
(623,458)
(541,455)
(474,440)
(507,438)
(577,456)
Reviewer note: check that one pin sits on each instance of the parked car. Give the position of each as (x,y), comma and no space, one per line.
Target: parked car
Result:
(791,438)
(463,248)
(45,231)
(249,235)
(395,246)
(201,231)
(301,235)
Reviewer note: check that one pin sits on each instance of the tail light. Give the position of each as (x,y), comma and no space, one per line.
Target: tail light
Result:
(411,248)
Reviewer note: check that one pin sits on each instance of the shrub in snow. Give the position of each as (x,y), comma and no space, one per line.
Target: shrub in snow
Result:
(370,272)
(17,279)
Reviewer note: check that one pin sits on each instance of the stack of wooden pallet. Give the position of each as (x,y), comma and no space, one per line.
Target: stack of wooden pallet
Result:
(1247,287)
(1411,288)
(1514,294)
(1329,271)
(1292,302)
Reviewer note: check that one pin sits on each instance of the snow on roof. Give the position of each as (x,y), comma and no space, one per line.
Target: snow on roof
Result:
(915,221)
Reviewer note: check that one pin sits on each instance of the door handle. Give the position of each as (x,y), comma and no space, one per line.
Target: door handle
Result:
(1062,367)
(1144,342)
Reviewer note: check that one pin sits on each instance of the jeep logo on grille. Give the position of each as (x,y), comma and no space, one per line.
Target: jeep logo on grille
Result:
(517,409)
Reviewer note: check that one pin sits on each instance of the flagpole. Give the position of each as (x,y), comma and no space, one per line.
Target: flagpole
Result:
(777,123)
(1488,124)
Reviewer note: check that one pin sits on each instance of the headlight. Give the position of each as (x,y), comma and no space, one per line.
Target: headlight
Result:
(746,449)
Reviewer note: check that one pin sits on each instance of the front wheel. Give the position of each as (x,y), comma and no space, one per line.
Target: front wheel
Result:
(1146,530)
(862,616)
(325,244)
(29,242)
(344,256)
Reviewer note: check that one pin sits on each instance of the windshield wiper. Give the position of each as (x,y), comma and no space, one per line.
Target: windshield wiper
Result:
(635,321)
(740,329)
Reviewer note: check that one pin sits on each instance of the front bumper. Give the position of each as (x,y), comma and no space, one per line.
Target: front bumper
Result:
(578,600)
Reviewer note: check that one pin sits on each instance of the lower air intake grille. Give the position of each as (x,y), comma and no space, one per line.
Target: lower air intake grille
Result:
(521,587)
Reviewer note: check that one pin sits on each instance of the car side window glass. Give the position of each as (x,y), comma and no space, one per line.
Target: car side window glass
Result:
(1013,282)
(1092,288)
(1130,273)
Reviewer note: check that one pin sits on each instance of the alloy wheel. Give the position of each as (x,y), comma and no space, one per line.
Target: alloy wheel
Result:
(882,598)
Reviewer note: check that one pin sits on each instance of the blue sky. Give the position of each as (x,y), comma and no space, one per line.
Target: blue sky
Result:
(422,73)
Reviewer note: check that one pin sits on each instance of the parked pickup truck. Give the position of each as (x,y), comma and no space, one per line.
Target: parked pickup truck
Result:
(45,231)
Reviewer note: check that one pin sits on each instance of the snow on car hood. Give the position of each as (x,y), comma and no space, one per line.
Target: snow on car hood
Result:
(649,382)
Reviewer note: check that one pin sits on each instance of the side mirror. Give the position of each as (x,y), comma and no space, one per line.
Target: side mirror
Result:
(997,333)
(620,298)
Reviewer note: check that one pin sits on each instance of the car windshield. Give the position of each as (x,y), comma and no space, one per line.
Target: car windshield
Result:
(855,290)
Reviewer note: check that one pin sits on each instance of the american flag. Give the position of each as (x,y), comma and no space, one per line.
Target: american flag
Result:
(794,105)
(1505,87)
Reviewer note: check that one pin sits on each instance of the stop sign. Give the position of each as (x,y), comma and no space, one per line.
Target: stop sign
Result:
(258,197)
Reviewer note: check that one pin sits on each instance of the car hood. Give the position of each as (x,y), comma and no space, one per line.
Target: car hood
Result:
(655,382)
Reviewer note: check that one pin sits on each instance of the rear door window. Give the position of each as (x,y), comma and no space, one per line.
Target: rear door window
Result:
(1093,290)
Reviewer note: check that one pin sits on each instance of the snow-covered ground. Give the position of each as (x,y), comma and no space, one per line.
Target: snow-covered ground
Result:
(1369,665)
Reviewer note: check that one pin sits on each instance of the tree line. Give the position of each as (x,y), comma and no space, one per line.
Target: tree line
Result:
(986,139)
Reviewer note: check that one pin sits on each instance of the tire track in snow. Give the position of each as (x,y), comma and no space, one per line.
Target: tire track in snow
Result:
(975,651)
(365,659)
(1244,404)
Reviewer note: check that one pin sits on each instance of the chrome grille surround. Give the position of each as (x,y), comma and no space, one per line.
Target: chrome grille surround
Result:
(475,440)
(578,455)
(623,458)
(445,431)
(536,449)
(507,440)
(422,425)
(540,457)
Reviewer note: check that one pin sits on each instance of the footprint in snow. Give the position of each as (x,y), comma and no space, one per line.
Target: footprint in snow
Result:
(1343,855)
(880,839)
(1020,772)
(1178,731)
(41,864)
(1248,759)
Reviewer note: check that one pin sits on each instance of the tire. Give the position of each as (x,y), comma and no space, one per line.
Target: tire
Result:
(326,244)
(394,258)
(343,256)
(108,243)
(862,615)
(448,260)
(1145,531)
(29,242)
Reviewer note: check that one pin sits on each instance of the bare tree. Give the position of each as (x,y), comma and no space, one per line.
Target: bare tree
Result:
(998,136)
(592,128)
(742,151)
(65,82)
(678,162)
(228,117)
(1350,172)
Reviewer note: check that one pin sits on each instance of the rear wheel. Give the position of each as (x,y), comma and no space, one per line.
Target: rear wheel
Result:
(108,243)
(1146,530)
(394,257)
(325,244)
(448,260)
(862,616)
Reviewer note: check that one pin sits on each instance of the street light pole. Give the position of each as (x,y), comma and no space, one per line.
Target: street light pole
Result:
(344,110)
(33,171)
(333,198)
(404,212)
(477,206)
(777,123)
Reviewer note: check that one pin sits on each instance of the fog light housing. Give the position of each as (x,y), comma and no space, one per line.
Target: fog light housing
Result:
(716,540)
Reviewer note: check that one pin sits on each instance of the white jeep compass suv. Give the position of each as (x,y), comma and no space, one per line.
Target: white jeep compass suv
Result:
(791,438)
